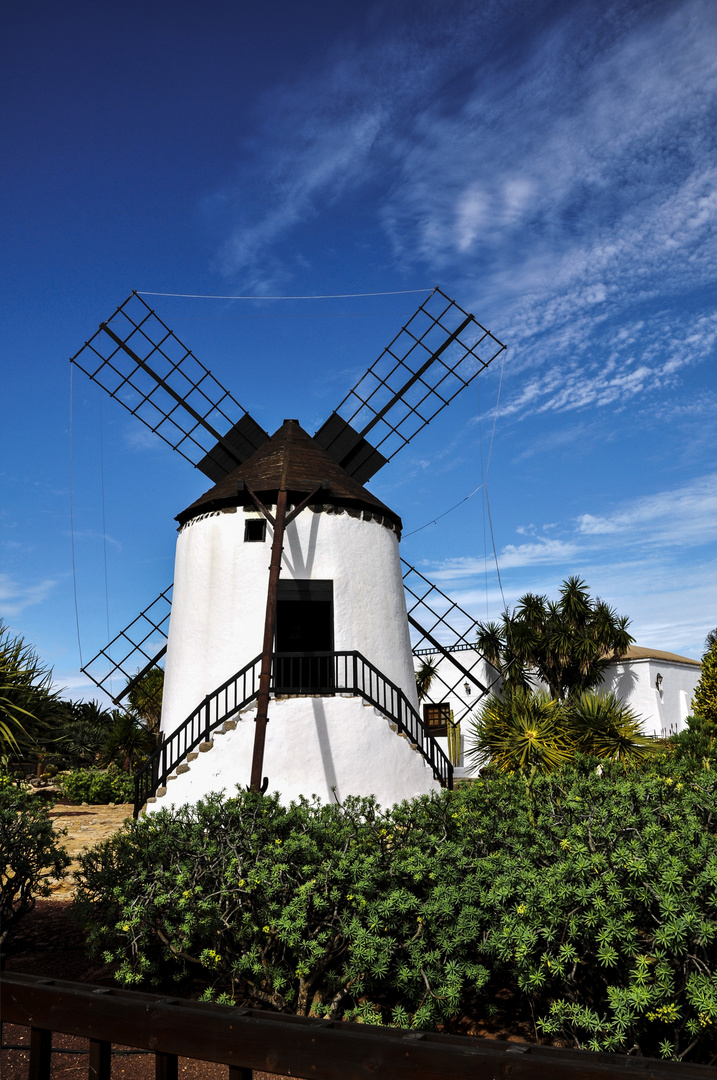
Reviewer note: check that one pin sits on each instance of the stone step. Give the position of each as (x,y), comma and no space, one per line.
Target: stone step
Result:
(229,725)
(204,746)
(193,756)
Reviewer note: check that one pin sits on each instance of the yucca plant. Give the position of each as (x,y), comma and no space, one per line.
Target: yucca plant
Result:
(520,732)
(604,726)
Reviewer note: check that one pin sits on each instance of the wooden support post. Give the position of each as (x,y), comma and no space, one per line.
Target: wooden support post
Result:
(100,1060)
(40,1054)
(166,1066)
(267,652)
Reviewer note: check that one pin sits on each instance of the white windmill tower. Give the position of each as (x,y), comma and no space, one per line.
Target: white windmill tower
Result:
(289,601)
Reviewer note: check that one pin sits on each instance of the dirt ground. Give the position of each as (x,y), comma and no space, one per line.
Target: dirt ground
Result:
(86,826)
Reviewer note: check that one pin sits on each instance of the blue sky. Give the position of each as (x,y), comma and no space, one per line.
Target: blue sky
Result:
(550,165)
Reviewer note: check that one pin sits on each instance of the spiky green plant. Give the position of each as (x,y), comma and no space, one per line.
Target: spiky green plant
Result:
(520,732)
(604,726)
(425,674)
(26,697)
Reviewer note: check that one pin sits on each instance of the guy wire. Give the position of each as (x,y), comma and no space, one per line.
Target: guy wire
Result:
(72,535)
(104,525)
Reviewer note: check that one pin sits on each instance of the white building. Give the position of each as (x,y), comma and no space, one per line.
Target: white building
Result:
(342,717)
(658,686)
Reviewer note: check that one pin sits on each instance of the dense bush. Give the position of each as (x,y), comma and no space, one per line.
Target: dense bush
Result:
(696,743)
(29,855)
(594,897)
(98,786)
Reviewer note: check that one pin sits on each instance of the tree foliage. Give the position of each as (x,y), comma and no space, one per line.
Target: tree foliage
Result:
(145,698)
(425,674)
(593,899)
(567,643)
(29,855)
(705,700)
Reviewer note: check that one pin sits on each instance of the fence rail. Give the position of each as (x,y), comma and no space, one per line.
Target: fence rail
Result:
(325,673)
(249,1039)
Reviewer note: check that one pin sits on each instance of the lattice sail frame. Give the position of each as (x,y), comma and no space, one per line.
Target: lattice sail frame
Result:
(450,625)
(177,372)
(431,360)
(135,650)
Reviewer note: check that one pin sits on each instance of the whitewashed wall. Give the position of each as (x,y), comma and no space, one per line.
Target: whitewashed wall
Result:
(663,711)
(220,588)
(330,747)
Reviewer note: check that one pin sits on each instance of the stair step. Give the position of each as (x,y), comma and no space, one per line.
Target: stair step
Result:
(152,798)
(183,768)
(193,756)
(230,725)
(161,791)
(204,746)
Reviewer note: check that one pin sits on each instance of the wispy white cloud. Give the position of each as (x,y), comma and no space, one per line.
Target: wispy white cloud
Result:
(651,556)
(16,596)
(561,192)
(685,517)
(93,534)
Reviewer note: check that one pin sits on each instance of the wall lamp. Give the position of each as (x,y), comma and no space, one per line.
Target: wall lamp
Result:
(658,683)
(467,688)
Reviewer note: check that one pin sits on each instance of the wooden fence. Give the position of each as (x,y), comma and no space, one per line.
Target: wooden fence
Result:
(248,1039)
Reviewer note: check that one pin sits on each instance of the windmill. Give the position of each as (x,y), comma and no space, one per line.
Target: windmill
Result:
(326,633)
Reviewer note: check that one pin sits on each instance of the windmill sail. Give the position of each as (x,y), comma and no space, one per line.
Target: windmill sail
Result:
(443,629)
(144,366)
(439,352)
(134,651)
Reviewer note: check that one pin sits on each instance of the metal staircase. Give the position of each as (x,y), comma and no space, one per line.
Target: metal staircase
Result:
(293,674)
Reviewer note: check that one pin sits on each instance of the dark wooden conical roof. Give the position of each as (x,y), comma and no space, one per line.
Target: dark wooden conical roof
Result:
(290,456)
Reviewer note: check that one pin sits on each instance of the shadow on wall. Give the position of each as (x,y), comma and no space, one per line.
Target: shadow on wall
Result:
(623,684)
(327,759)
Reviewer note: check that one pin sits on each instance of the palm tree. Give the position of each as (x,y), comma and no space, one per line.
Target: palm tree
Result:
(145,698)
(425,675)
(566,643)
(127,741)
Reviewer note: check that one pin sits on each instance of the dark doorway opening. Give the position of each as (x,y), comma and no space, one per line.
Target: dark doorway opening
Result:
(304,628)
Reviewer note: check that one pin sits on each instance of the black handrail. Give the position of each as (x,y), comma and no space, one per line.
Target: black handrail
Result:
(323,673)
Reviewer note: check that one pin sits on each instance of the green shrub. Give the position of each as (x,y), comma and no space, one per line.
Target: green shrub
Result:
(705,699)
(697,743)
(593,898)
(29,855)
(98,786)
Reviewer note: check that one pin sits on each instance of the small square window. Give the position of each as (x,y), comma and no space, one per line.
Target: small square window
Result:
(436,718)
(254,530)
